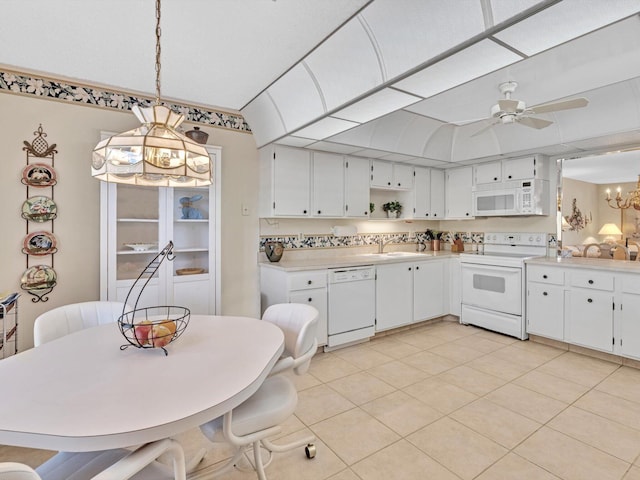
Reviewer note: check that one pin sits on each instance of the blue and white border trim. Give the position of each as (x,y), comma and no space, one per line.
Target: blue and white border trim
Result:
(58,90)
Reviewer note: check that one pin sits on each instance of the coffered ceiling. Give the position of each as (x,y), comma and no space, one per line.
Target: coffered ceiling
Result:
(405,80)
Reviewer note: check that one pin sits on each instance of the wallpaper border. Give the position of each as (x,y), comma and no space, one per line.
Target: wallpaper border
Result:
(51,89)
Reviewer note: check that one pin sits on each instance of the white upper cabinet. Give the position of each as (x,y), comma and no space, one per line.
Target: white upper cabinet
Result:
(356,178)
(328,185)
(285,175)
(488,172)
(428,193)
(391,175)
(458,193)
(437,194)
(525,168)
(422,193)
(512,169)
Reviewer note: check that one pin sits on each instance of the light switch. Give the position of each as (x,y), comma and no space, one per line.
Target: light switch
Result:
(245,210)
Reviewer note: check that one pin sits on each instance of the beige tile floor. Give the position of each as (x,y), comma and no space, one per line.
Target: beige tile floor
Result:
(446,401)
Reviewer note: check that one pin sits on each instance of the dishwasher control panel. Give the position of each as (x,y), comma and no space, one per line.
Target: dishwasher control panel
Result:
(352,274)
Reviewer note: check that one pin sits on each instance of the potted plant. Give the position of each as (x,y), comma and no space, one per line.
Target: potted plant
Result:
(393,209)
(372,207)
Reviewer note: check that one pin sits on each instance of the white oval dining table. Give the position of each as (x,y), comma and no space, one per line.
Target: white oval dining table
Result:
(82,393)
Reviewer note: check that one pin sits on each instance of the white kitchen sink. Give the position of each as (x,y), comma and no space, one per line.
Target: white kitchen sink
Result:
(395,254)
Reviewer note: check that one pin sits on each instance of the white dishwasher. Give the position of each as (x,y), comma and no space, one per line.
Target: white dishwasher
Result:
(352,305)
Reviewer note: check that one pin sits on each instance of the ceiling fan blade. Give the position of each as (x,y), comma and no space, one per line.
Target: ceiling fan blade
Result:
(484,129)
(509,106)
(557,106)
(534,122)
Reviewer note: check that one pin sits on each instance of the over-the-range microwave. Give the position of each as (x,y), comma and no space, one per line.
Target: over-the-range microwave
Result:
(524,197)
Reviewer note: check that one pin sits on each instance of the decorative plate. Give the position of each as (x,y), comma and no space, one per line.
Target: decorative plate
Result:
(140,247)
(39,175)
(39,243)
(39,209)
(38,277)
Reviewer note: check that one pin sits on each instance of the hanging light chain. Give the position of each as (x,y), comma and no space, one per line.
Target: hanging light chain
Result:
(158,51)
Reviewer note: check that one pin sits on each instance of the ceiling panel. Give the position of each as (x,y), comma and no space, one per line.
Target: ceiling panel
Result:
(564,21)
(297,98)
(376,105)
(473,62)
(410,32)
(325,128)
(346,65)
(501,10)
(263,113)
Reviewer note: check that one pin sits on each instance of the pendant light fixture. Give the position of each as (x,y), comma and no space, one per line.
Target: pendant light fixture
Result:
(154,154)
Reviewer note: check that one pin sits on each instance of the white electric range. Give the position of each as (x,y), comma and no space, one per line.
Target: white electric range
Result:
(493,283)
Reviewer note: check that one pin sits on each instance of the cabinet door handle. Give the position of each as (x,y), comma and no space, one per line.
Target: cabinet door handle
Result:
(435,214)
(495,179)
(388,183)
(426,214)
(319,212)
(467,214)
(589,300)
(409,268)
(309,299)
(417,268)
(544,276)
(309,282)
(304,211)
(544,293)
(590,282)
(399,184)
(366,213)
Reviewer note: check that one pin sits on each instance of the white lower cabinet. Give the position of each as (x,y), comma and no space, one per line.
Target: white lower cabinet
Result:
(310,287)
(628,334)
(429,289)
(411,292)
(590,319)
(545,301)
(545,307)
(394,295)
(594,308)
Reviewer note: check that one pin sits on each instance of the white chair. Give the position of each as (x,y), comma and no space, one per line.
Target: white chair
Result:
(73,317)
(258,418)
(136,465)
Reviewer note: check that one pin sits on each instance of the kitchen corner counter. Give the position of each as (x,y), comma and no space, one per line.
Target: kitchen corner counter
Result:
(293,265)
(588,263)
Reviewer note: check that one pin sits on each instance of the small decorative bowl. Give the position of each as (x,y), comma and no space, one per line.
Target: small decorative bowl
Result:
(153,327)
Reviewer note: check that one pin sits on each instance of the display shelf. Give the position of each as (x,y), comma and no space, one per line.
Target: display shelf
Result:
(154,216)
(9,322)
(138,220)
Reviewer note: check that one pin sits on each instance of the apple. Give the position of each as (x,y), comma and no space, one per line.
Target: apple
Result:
(141,331)
(159,336)
(170,324)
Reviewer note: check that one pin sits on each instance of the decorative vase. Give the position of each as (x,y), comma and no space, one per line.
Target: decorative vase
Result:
(435,245)
(274,251)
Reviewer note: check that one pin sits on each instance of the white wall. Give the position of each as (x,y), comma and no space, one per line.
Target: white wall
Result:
(76,129)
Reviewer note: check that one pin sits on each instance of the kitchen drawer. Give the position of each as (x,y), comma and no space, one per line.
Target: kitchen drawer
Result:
(630,283)
(543,274)
(307,280)
(592,279)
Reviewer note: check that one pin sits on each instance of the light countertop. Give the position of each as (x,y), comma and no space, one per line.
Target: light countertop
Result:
(292,265)
(588,263)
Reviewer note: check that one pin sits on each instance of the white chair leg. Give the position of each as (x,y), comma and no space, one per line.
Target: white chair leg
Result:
(258,459)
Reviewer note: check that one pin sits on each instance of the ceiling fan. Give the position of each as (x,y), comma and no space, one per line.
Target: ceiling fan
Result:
(516,111)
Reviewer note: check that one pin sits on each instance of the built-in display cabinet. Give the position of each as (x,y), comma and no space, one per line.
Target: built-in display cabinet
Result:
(137,222)
(593,308)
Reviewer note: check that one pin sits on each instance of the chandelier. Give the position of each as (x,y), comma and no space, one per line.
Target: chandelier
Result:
(631,201)
(154,154)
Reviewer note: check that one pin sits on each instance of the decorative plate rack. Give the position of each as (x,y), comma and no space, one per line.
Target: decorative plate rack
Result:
(39,211)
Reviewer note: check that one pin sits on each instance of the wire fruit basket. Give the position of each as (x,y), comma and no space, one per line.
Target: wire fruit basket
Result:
(152,327)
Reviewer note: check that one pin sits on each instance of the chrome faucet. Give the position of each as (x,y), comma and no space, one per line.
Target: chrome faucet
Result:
(383,243)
